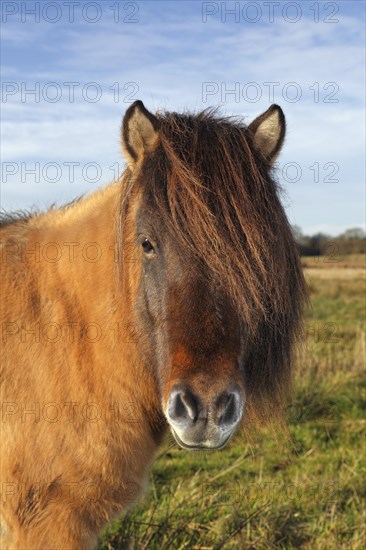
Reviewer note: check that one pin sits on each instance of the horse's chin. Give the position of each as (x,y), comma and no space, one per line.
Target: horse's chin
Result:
(207,446)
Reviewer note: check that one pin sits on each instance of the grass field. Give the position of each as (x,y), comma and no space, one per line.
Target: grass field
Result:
(303,490)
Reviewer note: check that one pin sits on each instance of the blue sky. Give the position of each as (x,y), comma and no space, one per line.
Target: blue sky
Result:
(306,56)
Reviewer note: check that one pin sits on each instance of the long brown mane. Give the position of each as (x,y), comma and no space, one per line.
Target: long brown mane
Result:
(215,193)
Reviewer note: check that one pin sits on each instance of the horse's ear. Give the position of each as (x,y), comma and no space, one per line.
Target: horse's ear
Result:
(268,131)
(139,132)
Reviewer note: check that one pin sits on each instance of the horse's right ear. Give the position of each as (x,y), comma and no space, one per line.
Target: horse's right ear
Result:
(139,133)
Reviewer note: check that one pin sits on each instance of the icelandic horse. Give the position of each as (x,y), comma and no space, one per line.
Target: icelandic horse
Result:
(169,299)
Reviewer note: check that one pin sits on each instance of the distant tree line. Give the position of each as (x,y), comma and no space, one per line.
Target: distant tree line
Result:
(352,241)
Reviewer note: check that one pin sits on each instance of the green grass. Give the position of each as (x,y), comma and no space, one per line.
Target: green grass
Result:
(275,491)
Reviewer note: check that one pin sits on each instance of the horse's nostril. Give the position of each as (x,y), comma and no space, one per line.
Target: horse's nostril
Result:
(179,407)
(228,408)
(183,405)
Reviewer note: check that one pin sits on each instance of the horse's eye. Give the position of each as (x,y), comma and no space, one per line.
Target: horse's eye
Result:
(147,247)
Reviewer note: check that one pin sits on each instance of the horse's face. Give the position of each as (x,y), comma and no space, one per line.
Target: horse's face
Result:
(193,338)
(214,297)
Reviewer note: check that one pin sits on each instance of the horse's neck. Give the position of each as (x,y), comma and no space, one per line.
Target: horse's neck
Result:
(69,261)
(66,262)
(75,247)
(72,258)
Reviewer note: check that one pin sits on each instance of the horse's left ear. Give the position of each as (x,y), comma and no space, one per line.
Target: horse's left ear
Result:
(140,134)
(268,132)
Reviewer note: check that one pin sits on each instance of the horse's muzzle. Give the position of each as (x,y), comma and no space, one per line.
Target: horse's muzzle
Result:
(199,423)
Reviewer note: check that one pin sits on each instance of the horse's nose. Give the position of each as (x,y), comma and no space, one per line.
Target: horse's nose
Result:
(198,421)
